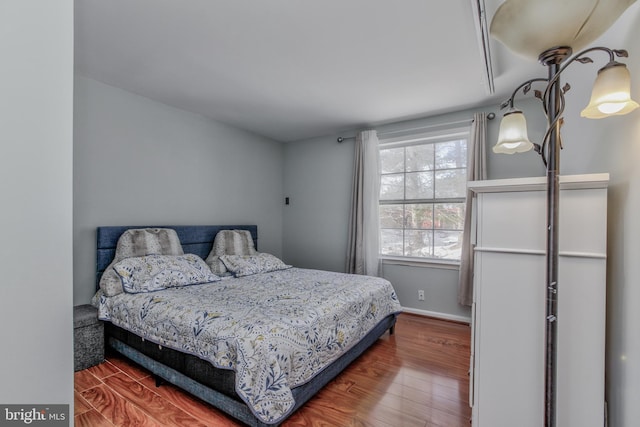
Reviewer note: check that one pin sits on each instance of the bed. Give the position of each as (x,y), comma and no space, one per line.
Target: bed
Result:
(260,343)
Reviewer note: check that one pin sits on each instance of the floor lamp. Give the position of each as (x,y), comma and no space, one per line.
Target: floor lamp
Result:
(548,31)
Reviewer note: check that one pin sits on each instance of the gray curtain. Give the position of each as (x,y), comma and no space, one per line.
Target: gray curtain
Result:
(476,170)
(364,230)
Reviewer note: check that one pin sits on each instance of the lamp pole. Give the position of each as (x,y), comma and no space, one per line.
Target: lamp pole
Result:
(552,59)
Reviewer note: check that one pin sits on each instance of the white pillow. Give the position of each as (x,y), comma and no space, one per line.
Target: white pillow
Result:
(156,272)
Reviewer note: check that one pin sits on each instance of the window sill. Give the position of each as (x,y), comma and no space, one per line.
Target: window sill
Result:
(418,262)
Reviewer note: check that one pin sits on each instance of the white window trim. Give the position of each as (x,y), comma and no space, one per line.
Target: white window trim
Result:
(445,264)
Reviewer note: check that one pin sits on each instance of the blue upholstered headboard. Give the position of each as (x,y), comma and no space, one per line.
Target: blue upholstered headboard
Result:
(195,239)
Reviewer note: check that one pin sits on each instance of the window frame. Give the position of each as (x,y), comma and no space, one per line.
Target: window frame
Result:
(437,134)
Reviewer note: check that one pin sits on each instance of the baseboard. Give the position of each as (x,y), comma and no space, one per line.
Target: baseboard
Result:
(437,315)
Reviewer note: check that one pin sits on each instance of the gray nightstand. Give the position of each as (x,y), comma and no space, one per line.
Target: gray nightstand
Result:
(88,337)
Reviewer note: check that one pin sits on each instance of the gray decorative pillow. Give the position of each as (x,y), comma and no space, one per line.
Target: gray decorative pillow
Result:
(156,272)
(246,265)
(229,242)
(137,242)
(217,266)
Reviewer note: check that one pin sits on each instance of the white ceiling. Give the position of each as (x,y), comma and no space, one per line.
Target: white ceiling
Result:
(295,69)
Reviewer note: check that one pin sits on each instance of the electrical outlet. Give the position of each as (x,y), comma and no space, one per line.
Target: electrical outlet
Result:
(420,295)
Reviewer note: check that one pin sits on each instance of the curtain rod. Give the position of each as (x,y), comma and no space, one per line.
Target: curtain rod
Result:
(490,116)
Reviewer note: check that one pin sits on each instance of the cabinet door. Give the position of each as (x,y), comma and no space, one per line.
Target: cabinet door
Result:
(509,357)
(512,221)
(581,335)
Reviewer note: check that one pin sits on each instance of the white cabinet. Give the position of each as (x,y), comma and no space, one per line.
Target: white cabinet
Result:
(507,387)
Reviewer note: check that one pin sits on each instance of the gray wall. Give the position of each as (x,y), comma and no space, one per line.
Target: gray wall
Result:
(317,177)
(615,148)
(139,162)
(36,113)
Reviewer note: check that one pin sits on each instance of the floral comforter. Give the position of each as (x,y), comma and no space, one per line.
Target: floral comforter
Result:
(276,330)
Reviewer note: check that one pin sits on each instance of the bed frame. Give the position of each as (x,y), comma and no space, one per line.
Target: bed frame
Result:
(197,376)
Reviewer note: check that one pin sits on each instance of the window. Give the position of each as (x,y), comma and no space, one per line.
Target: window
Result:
(422,195)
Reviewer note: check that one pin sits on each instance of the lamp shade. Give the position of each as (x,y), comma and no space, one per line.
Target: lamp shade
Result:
(611,93)
(513,136)
(530,27)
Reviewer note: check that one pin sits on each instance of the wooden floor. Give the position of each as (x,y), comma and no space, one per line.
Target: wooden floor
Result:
(417,377)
